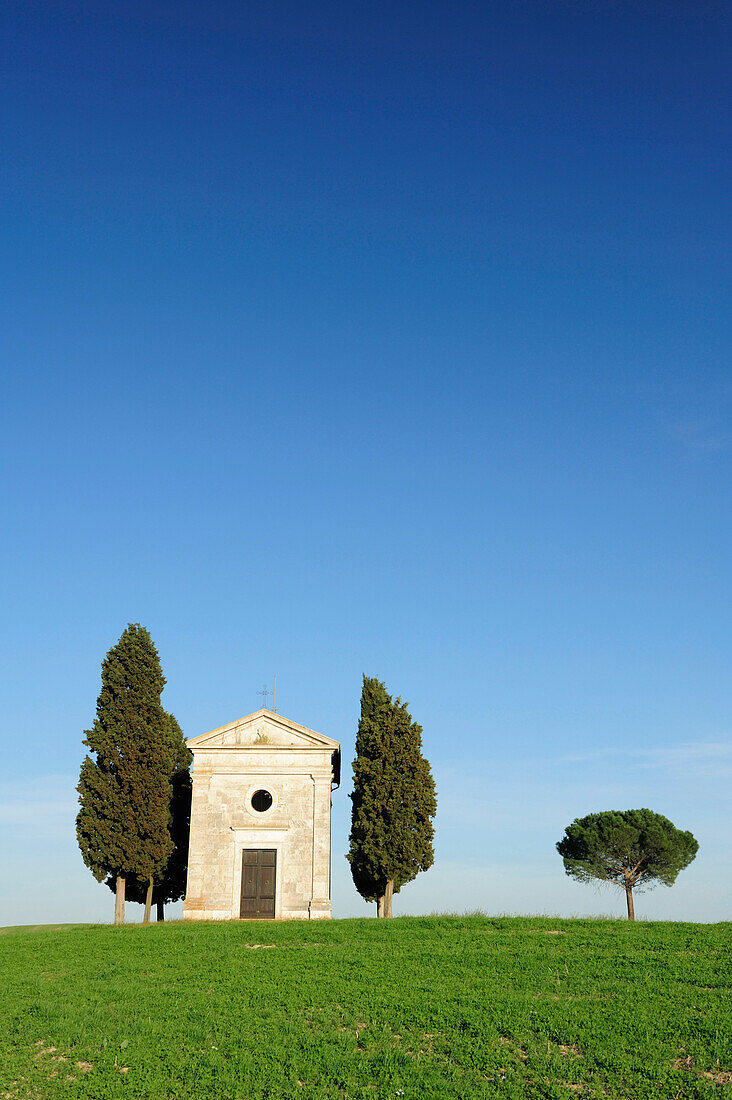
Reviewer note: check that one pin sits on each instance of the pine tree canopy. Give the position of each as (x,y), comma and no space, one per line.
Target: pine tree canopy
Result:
(124,785)
(631,848)
(393,796)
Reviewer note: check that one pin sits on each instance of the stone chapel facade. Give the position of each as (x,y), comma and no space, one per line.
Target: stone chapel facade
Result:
(260,821)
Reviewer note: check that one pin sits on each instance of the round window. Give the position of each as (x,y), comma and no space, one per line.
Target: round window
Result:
(261,801)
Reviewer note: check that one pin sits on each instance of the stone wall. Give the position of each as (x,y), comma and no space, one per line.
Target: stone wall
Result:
(223,823)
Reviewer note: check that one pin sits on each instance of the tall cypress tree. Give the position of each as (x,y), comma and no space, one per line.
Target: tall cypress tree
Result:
(170,883)
(393,798)
(124,790)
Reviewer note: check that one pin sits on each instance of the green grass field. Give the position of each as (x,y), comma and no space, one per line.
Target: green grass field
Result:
(414,1008)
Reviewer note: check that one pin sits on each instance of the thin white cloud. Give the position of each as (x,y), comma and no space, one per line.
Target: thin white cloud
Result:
(48,801)
(702,435)
(702,758)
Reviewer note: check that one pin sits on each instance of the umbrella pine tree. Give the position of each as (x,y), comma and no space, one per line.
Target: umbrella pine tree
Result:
(632,849)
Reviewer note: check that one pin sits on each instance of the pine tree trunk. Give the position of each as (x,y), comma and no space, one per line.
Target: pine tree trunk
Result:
(148,902)
(119,900)
(161,910)
(629,899)
(387,898)
(380,906)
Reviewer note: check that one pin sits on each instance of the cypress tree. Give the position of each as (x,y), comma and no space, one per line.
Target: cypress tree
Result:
(393,798)
(170,883)
(124,789)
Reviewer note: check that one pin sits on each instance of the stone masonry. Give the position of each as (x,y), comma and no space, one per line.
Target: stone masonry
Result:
(262,783)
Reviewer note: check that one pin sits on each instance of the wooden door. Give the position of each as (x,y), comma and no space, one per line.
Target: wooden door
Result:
(258,882)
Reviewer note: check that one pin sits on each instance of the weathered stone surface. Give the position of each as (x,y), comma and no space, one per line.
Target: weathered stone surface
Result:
(263,751)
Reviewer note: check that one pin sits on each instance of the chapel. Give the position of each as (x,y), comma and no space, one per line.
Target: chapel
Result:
(260,821)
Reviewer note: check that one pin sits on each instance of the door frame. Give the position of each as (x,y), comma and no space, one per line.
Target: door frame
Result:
(272,839)
(260,852)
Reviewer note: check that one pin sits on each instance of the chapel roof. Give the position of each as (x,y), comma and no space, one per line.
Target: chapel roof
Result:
(263,729)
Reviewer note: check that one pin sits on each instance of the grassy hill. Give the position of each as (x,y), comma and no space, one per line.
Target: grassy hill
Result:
(414,1008)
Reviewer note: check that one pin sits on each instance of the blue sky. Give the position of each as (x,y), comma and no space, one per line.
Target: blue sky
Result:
(344,338)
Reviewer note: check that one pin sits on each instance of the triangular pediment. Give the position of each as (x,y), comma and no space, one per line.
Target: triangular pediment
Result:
(264,729)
